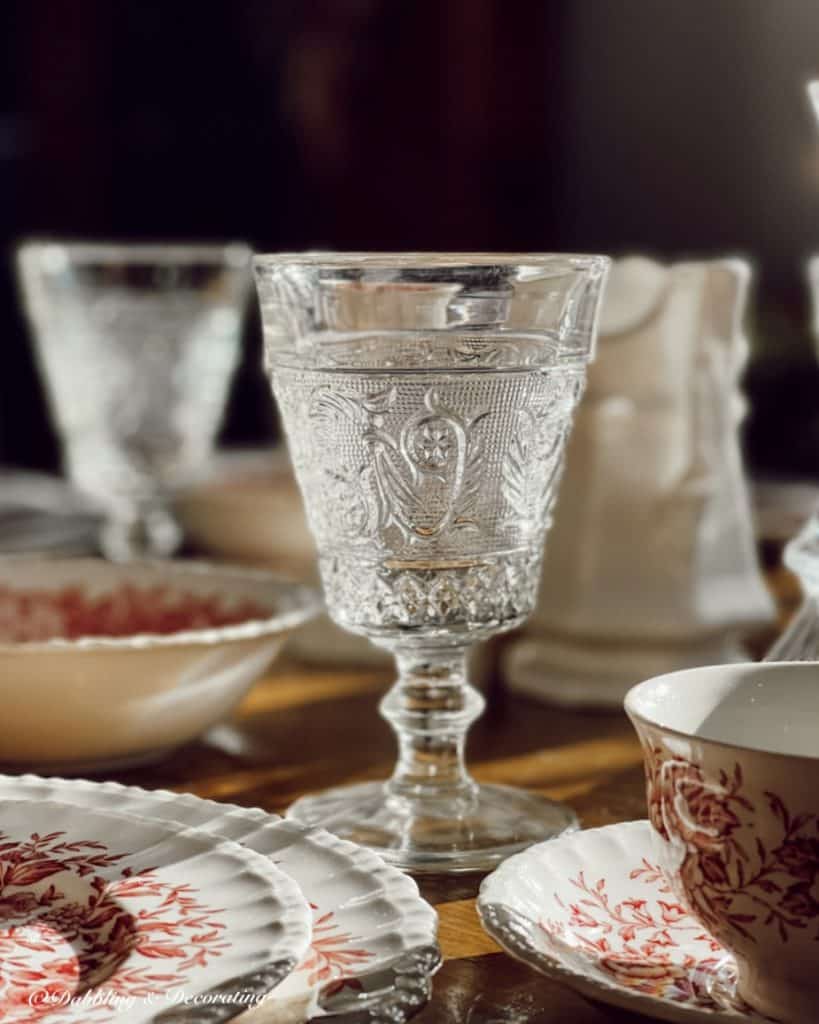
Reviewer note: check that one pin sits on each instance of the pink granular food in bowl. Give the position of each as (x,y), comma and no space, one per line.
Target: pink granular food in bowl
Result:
(35,616)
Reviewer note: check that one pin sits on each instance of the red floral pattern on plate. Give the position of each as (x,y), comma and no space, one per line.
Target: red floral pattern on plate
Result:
(332,953)
(731,877)
(646,942)
(28,616)
(136,935)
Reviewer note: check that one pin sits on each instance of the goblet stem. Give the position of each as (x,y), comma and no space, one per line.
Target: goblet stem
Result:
(430,708)
(431,816)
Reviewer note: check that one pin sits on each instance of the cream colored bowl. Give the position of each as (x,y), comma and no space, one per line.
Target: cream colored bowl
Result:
(248,509)
(104,665)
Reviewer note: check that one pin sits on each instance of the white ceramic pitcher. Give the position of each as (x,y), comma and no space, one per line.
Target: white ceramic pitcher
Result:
(651,563)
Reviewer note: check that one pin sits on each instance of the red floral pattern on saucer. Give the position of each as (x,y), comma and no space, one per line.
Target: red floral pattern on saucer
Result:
(592,910)
(65,929)
(332,955)
(646,942)
(35,616)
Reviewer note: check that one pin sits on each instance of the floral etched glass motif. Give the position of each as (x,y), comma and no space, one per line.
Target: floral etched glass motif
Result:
(136,345)
(427,400)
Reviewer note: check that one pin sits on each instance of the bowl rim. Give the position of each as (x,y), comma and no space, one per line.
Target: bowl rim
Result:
(707,741)
(303,603)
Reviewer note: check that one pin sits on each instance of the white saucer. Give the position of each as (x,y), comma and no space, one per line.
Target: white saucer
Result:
(591,910)
(374,947)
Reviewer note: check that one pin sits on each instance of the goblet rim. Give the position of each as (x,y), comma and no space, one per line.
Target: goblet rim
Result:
(421,259)
(235,253)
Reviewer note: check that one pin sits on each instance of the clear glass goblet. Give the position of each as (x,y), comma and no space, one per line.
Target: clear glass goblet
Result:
(137,345)
(427,400)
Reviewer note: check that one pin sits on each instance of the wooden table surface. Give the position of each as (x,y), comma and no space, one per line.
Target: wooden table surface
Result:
(303,729)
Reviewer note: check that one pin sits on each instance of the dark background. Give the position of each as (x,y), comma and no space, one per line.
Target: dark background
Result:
(670,128)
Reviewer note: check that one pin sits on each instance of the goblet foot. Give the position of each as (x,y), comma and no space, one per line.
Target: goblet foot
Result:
(437,836)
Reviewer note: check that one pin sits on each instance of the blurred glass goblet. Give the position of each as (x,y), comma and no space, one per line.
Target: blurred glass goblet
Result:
(137,345)
(427,400)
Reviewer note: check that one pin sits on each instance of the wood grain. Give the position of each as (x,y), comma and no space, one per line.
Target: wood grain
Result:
(302,729)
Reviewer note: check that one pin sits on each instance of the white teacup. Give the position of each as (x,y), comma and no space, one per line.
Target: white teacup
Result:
(732,774)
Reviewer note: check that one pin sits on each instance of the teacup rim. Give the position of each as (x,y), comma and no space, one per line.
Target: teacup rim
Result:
(636,716)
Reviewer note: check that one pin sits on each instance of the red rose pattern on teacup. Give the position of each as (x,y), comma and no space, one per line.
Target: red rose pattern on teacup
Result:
(744,858)
(729,875)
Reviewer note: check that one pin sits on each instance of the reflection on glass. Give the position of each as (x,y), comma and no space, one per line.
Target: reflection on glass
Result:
(137,345)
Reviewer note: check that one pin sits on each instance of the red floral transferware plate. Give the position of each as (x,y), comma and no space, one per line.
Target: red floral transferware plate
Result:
(590,909)
(108,917)
(373,951)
